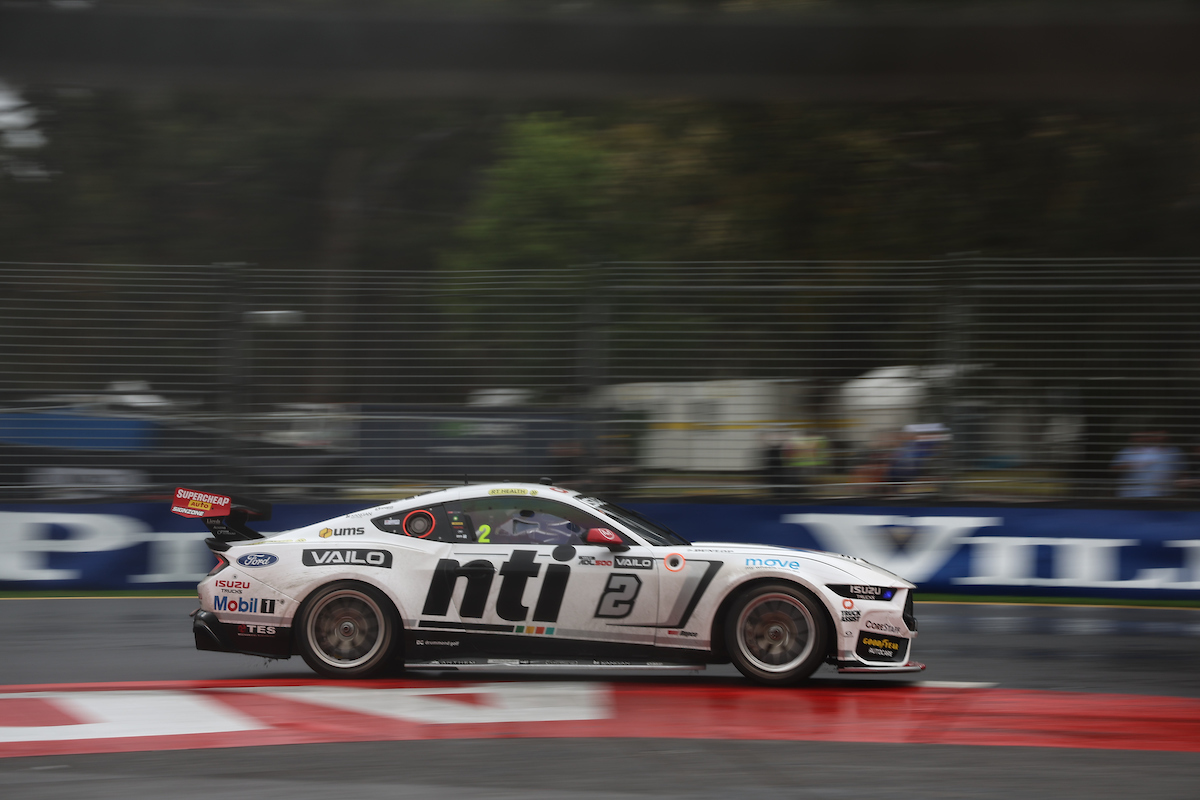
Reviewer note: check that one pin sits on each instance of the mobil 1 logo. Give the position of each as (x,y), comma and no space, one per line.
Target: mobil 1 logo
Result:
(244,605)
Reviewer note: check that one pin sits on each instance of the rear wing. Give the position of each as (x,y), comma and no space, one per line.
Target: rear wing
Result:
(225,516)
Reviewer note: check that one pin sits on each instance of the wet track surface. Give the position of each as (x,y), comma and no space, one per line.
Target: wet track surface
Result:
(866,747)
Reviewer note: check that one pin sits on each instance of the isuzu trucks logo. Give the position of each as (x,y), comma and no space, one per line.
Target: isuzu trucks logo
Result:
(257,560)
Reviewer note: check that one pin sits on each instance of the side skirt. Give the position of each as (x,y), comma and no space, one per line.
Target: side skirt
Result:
(568,665)
(445,648)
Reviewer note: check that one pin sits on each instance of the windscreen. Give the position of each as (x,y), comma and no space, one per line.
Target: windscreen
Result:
(652,532)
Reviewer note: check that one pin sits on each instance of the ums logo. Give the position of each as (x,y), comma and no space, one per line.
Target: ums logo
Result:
(327,532)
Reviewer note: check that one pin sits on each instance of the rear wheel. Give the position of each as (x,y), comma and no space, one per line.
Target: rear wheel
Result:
(776,634)
(348,630)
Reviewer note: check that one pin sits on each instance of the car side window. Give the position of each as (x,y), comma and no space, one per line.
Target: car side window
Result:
(432,523)
(522,520)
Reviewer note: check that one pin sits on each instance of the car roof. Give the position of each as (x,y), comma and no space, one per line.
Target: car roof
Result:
(497,488)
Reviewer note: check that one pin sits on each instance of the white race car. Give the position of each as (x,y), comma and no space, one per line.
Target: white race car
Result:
(511,575)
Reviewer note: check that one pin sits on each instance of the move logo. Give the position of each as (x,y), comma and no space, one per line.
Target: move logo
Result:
(360,558)
(774,563)
(244,605)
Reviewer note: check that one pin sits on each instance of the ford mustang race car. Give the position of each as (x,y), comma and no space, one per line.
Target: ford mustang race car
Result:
(516,575)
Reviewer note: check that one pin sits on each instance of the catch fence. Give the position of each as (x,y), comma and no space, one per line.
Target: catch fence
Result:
(955,380)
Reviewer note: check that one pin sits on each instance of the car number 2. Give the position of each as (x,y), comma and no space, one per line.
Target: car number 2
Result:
(619,596)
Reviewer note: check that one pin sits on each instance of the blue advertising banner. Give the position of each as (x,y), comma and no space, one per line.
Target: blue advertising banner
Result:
(1097,553)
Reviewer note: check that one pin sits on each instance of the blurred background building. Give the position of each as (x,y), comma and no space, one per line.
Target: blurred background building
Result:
(796,251)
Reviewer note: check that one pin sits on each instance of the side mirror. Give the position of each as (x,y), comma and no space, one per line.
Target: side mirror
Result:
(608,538)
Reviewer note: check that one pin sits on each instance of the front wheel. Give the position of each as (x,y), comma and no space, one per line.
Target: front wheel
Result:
(776,634)
(348,630)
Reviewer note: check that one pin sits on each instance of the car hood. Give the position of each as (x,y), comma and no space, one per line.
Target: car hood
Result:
(856,567)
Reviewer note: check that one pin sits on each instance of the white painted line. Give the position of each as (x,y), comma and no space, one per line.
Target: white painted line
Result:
(119,714)
(501,702)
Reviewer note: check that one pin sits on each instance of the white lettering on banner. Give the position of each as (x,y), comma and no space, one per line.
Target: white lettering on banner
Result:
(118,714)
(506,702)
(24,542)
(934,539)
(173,557)
(1191,551)
(1082,563)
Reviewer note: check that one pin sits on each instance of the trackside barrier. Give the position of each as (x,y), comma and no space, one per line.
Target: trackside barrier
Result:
(969,550)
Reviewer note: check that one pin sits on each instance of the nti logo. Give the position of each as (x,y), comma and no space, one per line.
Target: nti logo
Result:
(514,574)
(244,605)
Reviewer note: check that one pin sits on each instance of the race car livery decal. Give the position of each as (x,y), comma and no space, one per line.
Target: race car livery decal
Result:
(361,558)
(221,583)
(575,637)
(327,532)
(258,630)
(190,503)
(244,605)
(859,592)
(257,559)
(689,596)
(877,647)
(514,574)
(620,593)
(480,627)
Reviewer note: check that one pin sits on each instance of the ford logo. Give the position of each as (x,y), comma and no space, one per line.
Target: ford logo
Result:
(257,560)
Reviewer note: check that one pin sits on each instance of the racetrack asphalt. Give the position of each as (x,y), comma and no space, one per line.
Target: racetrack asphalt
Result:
(1059,649)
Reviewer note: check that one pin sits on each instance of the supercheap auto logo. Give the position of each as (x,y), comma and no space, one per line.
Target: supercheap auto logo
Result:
(190,503)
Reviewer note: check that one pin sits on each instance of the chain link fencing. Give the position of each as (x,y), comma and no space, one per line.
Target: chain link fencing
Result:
(962,379)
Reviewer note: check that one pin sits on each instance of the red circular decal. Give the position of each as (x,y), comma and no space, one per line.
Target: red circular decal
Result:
(427,515)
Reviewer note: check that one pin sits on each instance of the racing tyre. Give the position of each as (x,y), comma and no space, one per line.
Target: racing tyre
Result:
(348,630)
(776,634)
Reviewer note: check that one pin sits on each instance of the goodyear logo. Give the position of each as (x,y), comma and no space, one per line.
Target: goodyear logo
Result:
(877,647)
(889,644)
